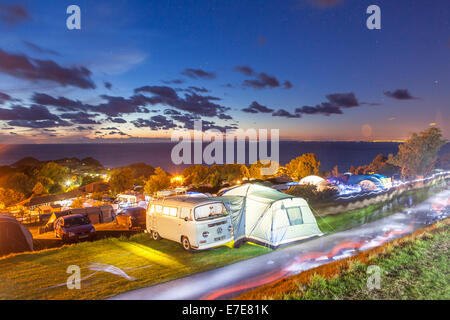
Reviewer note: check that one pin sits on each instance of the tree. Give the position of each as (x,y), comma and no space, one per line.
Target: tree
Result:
(305,165)
(418,155)
(121,180)
(88,179)
(195,174)
(9,197)
(215,179)
(160,180)
(38,189)
(19,182)
(77,203)
(54,172)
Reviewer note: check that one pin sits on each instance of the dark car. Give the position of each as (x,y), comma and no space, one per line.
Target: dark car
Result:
(74,227)
(132,217)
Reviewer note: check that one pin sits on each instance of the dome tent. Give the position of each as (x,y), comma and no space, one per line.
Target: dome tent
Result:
(265,216)
(14,237)
(320,183)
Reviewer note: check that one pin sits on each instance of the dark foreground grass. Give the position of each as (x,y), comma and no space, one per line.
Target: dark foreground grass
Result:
(414,267)
(29,275)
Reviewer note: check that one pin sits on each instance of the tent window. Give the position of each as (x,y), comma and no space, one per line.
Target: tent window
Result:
(294,215)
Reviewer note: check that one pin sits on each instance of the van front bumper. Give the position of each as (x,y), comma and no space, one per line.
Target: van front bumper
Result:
(214,244)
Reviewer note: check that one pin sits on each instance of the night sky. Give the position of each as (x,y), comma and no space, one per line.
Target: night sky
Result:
(139,69)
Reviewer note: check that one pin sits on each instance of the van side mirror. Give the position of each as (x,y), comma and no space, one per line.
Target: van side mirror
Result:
(186,219)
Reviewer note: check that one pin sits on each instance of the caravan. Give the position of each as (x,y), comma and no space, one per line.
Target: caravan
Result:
(197,223)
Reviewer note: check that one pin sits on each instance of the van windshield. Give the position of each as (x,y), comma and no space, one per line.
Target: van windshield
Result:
(210,211)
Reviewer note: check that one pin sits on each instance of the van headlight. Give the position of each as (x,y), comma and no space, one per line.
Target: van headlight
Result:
(71,234)
(205,234)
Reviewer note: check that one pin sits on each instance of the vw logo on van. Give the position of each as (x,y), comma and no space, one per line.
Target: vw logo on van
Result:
(219,230)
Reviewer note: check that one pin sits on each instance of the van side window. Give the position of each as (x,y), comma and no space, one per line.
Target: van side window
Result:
(152,209)
(173,212)
(166,211)
(185,212)
(158,208)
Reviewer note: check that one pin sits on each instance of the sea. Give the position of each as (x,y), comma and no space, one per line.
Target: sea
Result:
(112,155)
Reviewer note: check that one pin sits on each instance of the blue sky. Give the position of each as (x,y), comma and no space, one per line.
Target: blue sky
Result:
(385,83)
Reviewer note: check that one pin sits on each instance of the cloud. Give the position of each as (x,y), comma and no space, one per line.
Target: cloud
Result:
(116,106)
(5,97)
(161,91)
(80,117)
(263,80)
(255,107)
(64,104)
(285,114)
(244,70)
(39,49)
(117,120)
(197,89)
(39,124)
(198,73)
(13,14)
(21,66)
(336,101)
(34,112)
(158,122)
(108,85)
(175,81)
(324,108)
(81,128)
(287,84)
(171,112)
(345,100)
(399,94)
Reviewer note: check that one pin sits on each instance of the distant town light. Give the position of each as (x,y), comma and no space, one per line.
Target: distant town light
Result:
(176,179)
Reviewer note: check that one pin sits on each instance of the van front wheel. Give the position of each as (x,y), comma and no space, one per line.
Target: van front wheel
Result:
(155,235)
(186,244)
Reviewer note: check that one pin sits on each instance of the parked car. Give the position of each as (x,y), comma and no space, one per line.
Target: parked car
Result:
(74,227)
(131,218)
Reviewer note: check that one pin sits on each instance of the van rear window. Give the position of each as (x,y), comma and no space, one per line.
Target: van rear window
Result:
(210,211)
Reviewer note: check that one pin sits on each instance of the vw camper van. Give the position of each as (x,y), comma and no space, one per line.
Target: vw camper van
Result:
(196,223)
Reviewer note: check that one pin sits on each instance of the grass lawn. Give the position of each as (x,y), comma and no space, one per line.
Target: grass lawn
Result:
(354,218)
(416,267)
(26,276)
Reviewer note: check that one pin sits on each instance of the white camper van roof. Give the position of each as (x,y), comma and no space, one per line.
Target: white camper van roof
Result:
(184,201)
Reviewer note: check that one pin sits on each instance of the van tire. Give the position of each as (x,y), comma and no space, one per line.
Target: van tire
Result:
(185,243)
(155,235)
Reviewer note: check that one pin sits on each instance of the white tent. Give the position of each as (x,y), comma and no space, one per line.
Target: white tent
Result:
(315,180)
(269,217)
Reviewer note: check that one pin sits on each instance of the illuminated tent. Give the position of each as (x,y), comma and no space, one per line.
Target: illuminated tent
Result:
(268,217)
(317,181)
(14,237)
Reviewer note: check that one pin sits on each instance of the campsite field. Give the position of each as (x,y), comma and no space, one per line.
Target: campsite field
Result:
(413,267)
(42,274)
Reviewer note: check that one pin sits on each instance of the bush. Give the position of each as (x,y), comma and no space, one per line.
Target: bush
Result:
(310,193)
